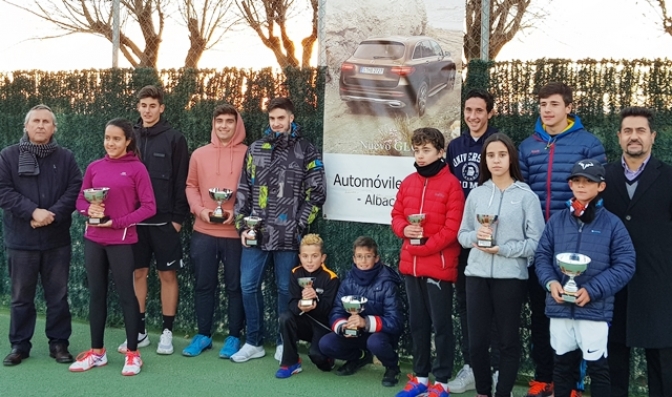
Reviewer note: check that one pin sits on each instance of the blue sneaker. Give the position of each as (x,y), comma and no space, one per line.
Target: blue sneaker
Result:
(286,372)
(436,390)
(197,346)
(413,388)
(231,347)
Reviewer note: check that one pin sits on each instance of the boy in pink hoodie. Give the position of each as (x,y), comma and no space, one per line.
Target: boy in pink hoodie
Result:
(216,165)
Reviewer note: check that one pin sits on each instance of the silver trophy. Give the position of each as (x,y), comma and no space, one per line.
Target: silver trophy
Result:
(252,222)
(353,304)
(220,196)
(487,221)
(306,282)
(96,195)
(417,220)
(572,265)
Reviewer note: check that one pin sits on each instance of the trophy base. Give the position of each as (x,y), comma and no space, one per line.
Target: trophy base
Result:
(485,243)
(305,302)
(569,298)
(418,241)
(97,221)
(218,219)
(351,332)
(252,243)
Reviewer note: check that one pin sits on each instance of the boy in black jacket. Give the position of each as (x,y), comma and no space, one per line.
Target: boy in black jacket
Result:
(308,310)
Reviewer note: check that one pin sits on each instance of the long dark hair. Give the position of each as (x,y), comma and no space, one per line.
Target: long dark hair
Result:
(514,166)
(127,127)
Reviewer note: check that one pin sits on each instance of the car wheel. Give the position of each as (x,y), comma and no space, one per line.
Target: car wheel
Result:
(421,99)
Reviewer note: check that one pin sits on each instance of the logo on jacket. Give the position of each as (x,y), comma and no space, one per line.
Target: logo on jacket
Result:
(123,173)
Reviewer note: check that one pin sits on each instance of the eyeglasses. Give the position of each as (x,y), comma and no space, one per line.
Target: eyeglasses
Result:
(366,257)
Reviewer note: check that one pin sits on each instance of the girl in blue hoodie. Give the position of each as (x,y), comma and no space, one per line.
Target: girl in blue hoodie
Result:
(496,276)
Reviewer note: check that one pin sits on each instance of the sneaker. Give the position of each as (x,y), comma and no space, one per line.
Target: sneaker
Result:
(248,352)
(413,388)
(278,353)
(540,389)
(286,372)
(133,363)
(436,390)
(165,345)
(576,393)
(352,366)
(464,381)
(143,341)
(87,360)
(231,346)
(391,377)
(327,366)
(198,345)
(495,380)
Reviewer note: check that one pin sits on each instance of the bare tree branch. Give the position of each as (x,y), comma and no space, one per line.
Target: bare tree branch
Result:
(666,15)
(207,21)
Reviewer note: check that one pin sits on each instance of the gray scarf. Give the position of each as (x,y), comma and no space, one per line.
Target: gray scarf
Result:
(29,152)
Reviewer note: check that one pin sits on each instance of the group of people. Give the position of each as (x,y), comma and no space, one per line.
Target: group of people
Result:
(495,219)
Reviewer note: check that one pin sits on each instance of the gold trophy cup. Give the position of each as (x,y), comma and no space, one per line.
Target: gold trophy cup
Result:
(417,220)
(488,221)
(306,282)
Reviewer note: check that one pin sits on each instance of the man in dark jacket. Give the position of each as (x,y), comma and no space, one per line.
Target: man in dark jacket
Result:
(546,159)
(39,184)
(638,192)
(464,159)
(381,322)
(164,152)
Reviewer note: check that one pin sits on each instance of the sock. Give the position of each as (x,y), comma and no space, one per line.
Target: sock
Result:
(444,385)
(168,322)
(422,380)
(143,326)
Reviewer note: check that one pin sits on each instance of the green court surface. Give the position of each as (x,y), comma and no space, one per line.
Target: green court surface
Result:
(175,375)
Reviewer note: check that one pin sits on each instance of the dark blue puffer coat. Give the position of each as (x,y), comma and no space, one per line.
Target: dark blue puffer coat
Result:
(607,242)
(546,161)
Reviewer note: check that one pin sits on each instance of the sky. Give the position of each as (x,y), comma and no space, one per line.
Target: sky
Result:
(574,29)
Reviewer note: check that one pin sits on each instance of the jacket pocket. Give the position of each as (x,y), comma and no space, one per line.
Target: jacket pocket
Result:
(163,191)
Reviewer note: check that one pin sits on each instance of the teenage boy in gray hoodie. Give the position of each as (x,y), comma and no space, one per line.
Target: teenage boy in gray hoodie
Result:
(496,271)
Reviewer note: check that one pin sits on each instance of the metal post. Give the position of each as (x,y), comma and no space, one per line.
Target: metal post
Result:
(115,33)
(485,30)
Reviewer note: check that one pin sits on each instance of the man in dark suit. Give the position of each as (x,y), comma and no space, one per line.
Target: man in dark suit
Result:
(638,191)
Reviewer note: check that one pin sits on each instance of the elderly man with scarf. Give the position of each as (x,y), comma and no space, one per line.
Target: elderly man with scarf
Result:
(39,184)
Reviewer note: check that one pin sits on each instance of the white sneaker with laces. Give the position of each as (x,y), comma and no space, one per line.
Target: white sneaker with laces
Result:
(143,341)
(464,381)
(87,360)
(248,352)
(165,345)
(495,379)
(278,353)
(132,364)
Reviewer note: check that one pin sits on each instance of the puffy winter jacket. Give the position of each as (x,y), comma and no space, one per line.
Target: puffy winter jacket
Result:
(383,310)
(441,199)
(546,161)
(607,242)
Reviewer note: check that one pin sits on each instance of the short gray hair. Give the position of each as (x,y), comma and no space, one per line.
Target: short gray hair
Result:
(40,107)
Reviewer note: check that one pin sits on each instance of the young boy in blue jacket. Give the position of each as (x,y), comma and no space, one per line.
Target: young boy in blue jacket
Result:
(580,329)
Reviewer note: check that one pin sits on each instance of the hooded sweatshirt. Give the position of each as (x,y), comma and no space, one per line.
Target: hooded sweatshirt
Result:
(129,201)
(216,165)
(516,232)
(464,158)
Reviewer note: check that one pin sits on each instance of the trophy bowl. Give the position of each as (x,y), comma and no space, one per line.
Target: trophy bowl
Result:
(486,220)
(417,220)
(252,222)
(306,282)
(572,265)
(353,304)
(96,195)
(220,196)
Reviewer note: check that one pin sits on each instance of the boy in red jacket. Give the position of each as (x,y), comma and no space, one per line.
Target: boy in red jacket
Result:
(428,259)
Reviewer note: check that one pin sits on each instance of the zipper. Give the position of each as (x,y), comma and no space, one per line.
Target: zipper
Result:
(549,174)
(494,236)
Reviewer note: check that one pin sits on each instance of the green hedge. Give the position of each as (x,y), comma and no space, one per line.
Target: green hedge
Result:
(85,100)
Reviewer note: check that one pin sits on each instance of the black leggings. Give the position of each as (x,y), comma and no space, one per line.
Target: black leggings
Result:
(99,260)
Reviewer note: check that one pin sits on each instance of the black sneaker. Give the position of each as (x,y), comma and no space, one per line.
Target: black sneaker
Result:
(352,366)
(391,377)
(327,365)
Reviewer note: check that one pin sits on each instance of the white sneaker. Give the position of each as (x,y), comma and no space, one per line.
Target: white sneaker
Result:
(143,341)
(278,353)
(248,352)
(133,364)
(87,360)
(165,345)
(463,382)
(495,379)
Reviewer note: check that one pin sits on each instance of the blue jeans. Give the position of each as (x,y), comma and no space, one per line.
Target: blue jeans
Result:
(253,262)
(206,253)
